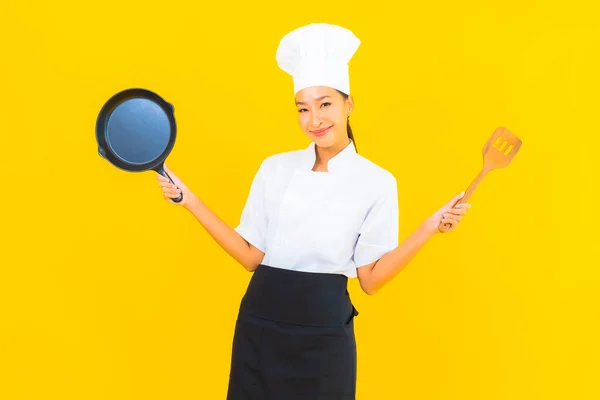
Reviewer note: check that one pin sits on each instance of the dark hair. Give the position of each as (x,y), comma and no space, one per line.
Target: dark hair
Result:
(349,129)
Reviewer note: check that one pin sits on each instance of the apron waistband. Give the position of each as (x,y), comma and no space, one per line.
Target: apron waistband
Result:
(298,297)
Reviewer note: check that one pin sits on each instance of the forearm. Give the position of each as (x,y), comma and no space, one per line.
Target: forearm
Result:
(388,266)
(231,241)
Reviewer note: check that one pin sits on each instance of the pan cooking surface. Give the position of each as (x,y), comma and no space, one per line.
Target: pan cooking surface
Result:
(138,131)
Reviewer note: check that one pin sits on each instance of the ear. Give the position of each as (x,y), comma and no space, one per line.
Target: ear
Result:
(350,103)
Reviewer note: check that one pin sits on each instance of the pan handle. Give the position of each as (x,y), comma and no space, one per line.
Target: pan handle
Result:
(162,171)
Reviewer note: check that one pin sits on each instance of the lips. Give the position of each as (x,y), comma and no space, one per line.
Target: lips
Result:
(321,132)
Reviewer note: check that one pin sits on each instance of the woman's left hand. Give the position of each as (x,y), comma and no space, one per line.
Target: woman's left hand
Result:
(450,213)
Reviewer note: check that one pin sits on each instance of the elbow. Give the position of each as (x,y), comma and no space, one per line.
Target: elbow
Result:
(368,283)
(369,289)
(250,267)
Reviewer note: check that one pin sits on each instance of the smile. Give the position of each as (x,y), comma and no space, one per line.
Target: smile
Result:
(322,131)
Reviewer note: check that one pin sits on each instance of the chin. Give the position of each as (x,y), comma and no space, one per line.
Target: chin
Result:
(324,141)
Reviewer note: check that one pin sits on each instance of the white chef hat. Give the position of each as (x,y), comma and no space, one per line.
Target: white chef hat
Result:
(317,55)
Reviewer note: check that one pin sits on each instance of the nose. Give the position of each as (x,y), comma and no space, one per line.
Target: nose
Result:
(316,119)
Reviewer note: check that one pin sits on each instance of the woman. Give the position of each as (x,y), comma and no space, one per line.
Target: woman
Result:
(313,218)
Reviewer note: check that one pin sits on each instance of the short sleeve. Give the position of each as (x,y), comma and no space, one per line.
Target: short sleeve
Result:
(253,221)
(378,233)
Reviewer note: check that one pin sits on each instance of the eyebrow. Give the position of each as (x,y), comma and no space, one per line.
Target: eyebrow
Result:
(317,99)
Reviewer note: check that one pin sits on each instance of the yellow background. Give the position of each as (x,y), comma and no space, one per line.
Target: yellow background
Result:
(108,292)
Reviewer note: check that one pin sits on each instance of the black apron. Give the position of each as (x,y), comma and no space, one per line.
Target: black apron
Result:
(294,338)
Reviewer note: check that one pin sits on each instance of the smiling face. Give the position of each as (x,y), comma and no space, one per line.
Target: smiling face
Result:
(323,114)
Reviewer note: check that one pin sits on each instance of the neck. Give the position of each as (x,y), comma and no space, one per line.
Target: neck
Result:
(324,154)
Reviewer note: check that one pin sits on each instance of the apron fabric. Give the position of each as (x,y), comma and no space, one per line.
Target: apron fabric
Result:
(294,338)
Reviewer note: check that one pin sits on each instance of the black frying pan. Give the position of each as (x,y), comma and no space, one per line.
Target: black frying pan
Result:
(136,131)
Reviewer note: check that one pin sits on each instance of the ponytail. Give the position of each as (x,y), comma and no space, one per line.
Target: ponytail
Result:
(350,135)
(349,129)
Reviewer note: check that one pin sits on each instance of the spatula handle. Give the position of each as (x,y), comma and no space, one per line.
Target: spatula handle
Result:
(445,227)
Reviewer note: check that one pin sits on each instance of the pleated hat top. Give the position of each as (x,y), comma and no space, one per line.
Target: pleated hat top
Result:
(318,55)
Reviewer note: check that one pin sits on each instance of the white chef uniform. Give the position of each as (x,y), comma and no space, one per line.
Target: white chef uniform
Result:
(330,222)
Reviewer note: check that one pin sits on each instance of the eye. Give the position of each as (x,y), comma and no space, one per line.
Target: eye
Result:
(301,110)
(325,103)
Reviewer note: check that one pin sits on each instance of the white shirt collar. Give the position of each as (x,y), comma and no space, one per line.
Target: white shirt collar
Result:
(337,163)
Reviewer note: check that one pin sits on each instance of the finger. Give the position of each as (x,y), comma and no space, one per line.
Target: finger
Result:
(452,222)
(170,196)
(174,178)
(453,217)
(167,184)
(172,192)
(161,178)
(455,199)
(464,205)
(458,211)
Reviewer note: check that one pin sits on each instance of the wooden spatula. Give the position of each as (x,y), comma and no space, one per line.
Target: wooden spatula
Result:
(498,151)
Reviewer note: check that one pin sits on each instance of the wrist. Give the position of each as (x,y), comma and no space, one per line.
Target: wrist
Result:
(430,227)
(192,201)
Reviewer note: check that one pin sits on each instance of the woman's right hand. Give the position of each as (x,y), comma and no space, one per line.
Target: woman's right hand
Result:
(171,190)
